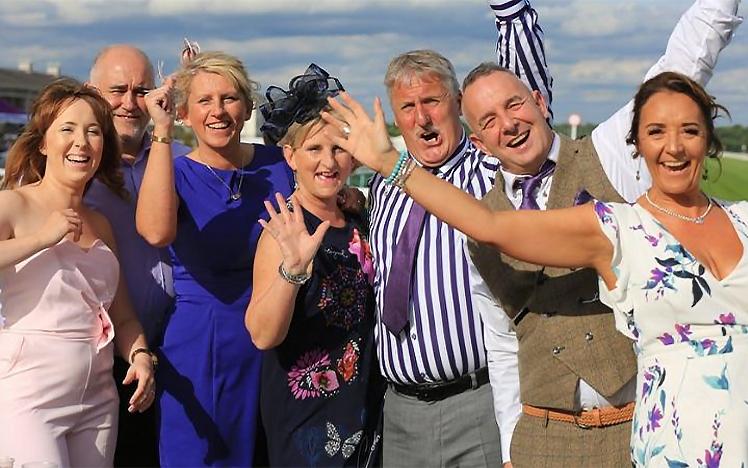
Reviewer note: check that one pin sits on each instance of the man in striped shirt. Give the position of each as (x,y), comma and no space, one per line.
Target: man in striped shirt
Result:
(438,409)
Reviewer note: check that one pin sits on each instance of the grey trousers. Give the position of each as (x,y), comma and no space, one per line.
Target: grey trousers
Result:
(458,431)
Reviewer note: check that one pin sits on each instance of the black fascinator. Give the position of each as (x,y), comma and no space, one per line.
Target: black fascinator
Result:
(306,96)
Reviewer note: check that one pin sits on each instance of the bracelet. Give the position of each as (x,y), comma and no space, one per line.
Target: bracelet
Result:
(154,358)
(291,278)
(408,168)
(158,139)
(398,167)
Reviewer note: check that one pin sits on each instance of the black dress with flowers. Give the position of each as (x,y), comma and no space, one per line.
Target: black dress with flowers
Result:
(320,391)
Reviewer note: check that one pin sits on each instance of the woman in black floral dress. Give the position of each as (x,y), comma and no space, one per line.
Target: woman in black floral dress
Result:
(312,306)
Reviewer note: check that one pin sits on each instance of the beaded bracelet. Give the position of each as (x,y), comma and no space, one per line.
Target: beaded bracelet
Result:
(408,168)
(398,167)
(291,278)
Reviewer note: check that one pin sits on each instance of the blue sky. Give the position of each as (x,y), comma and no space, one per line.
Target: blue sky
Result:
(598,49)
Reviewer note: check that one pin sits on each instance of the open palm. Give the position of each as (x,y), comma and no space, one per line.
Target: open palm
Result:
(287,227)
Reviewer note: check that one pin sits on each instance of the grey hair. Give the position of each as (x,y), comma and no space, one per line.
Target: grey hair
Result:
(418,63)
(484,69)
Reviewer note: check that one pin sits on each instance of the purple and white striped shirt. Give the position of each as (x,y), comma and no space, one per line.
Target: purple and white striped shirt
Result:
(444,336)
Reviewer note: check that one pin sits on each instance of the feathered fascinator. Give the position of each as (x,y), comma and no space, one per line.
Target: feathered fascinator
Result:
(306,96)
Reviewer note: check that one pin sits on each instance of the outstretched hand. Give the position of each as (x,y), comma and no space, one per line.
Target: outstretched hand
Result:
(366,139)
(297,246)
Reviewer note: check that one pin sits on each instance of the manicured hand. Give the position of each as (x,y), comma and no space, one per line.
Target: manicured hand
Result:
(145,394)
(297,246)
(367,140)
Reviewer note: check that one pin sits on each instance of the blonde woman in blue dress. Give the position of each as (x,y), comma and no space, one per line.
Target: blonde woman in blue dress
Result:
(672,266)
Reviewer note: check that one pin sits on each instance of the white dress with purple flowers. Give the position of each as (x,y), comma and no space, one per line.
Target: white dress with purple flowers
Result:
(691,333)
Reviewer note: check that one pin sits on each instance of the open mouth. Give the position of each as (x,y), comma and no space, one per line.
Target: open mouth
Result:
(327,176)
(676,166)
(219,125)
(518,140)
(430,137)
(77,159)
(127,116)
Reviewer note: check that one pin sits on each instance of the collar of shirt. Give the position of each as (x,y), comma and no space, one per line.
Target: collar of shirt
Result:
(452,161)
(515,194)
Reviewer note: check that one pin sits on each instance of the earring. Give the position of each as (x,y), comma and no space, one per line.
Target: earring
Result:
(638,156)
(295,182)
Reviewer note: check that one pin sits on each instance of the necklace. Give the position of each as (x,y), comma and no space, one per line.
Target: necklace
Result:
(233,196)
(691,219)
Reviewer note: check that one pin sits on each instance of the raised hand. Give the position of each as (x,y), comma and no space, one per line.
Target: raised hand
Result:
(59,224)
(367,140)
(160,105)
(297,246)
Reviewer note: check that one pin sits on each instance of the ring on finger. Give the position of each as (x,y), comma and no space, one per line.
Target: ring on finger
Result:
(346,130)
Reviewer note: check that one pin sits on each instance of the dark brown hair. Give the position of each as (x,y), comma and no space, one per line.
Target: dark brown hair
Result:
(678,83)
(26,163)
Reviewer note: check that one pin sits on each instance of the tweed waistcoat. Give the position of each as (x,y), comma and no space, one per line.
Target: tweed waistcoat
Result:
(565,333)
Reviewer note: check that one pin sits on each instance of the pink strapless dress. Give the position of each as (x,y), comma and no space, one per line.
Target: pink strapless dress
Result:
(58,401)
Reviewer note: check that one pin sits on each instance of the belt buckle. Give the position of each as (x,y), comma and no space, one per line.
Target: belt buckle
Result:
(579,424)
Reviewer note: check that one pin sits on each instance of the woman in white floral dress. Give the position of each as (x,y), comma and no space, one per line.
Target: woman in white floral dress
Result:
(672,266)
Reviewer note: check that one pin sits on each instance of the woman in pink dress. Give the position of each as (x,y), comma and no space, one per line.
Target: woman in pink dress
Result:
(59,285)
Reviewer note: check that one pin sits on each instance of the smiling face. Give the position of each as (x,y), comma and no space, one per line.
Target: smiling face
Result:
(672,138)
(321,166)
(215,110)
(428,116)
(508,121)
(73,145)
(124,76)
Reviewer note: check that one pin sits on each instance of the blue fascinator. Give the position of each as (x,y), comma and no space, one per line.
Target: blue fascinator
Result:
(306,96)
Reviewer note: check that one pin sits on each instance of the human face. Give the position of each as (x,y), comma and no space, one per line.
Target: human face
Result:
(672,138)
(428,116)
(215,110)
(73,144)
(124,78)
(321,166)
(508,121)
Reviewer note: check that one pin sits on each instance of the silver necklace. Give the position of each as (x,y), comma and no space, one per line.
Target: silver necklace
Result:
(691,219)
(233,196)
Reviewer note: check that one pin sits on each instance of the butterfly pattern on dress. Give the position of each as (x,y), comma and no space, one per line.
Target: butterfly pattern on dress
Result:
(336,444)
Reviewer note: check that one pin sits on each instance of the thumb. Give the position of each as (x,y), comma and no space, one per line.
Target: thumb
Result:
(319,233)
(130,376)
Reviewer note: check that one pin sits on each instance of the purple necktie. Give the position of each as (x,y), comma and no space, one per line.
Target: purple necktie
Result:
(530,184)
(397,292)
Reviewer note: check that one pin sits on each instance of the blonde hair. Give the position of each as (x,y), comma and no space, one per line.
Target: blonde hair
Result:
(221,64)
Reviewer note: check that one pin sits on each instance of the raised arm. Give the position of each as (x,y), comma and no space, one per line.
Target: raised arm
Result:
(520,45)
(562,238)
(693,49)
(156,215)
(285,243)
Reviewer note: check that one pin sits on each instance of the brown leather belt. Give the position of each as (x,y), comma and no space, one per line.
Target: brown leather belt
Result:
(598,417)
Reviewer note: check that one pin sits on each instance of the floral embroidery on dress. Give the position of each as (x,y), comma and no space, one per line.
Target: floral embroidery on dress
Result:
(359,247)
(653,240)
(348,363)
(605,213)
(312,376)
(336,444)
(343,297)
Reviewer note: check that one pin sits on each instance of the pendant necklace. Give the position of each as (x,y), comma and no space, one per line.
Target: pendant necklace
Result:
(691,219)
(233,195)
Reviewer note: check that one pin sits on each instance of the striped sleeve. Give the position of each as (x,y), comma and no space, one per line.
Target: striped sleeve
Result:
(520,46)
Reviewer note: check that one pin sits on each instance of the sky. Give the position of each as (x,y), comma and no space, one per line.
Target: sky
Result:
(598,50)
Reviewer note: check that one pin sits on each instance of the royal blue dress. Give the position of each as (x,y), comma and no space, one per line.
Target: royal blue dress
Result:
(209,373)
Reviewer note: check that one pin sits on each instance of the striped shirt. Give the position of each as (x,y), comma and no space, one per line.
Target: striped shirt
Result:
(519,46)
(444,336)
